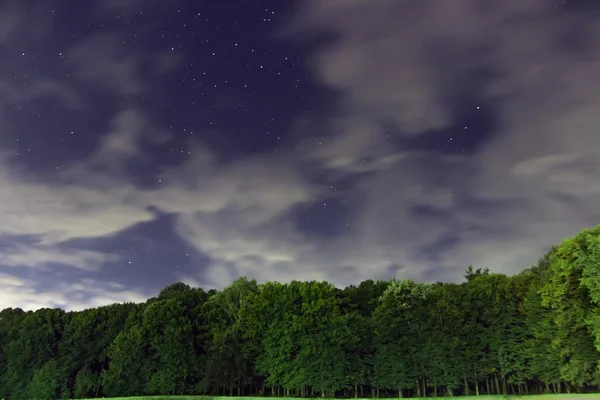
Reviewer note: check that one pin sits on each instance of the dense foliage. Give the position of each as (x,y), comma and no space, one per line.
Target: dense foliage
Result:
(534,332)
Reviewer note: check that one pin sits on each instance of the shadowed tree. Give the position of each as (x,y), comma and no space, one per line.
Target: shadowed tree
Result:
(229,367)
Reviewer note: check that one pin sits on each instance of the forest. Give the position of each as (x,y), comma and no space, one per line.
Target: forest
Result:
(535,332)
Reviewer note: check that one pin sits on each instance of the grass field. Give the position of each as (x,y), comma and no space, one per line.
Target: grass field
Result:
(565,396)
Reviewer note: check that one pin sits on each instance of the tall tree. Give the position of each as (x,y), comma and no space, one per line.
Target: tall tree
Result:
(572,293)
(35,342)
(131,359)
(400,355)
(229,366)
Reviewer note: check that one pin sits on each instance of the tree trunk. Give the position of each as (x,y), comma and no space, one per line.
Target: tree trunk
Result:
(100,378)
(466,385)
(497,383)
(476,388)
(450,393)
(487,385)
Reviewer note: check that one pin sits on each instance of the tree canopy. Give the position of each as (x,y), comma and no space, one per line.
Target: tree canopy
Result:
(534,332)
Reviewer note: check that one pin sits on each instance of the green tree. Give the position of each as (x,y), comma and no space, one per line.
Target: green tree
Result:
(537,331)
(130,366)
(49,383)
(400,355)
(572,293)
(86,384)
(34,343)
(10,320)
(170,334)
(229,366)
(86,339)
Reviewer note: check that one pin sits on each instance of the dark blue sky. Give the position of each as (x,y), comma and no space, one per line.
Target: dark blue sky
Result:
(145,142)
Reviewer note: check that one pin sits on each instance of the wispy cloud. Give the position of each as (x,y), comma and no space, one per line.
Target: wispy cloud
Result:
(76,296)
(40,256)
(100,61)
(401,61)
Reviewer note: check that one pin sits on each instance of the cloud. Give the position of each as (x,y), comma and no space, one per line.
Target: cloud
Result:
(425,215)
(402,61)
(87,200)
(14,15)
(131,129)
(67,211)
(407,213)
(40,88)
(236,213)
(353,145)
(8,22)
(39,256)
(76,296)
(99,60)
(104,62)
(28,24)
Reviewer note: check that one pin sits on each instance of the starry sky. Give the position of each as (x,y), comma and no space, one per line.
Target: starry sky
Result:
(146,142)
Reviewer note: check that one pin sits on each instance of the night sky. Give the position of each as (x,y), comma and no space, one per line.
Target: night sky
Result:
(146,142)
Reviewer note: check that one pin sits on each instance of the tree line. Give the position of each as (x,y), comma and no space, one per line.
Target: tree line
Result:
(534,332)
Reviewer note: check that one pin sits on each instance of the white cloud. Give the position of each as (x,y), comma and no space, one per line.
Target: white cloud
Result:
(39,256)
(74,296)
(85,202)
(88,202)
(131,129)
(235,213)
(262,187)
(59,213)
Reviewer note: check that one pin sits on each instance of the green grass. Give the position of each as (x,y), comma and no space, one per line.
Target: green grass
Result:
(592,396)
